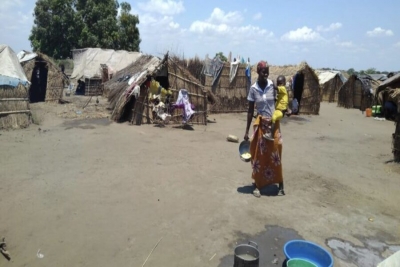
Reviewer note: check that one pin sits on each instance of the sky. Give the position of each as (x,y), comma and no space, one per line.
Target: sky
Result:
(340,34)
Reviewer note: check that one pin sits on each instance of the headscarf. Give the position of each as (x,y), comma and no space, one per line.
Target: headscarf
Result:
(262,64)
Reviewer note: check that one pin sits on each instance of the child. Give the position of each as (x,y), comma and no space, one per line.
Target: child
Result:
(280,106)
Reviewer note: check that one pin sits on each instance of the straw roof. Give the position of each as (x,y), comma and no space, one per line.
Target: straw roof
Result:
(56,79)
(356,92)
(119,90)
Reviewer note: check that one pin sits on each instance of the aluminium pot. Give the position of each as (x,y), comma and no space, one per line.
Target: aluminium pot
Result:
(247,255)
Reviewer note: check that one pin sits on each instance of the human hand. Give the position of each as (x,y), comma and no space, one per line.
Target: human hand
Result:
(246,136)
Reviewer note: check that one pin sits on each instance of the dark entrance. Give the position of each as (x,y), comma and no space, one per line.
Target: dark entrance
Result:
(37,91)
(298,87)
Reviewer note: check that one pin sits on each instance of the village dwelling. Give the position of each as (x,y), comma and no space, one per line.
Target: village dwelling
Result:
(14,101)
(46,78)
(357,92)
(387,96)
(330,82)
(228,84)
(302,84)
(130,99)
(380,77)
(95,66)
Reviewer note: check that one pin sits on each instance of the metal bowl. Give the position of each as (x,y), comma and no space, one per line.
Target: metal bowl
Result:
(244,147)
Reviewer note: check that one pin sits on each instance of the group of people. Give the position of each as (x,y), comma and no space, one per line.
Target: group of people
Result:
(271,102)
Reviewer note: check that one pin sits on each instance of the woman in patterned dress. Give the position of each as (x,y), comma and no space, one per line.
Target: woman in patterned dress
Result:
(265,155)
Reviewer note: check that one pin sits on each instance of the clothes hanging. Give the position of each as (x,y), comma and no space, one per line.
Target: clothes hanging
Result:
(183,98)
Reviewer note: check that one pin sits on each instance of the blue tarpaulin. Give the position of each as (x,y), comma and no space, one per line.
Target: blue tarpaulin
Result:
(5,80)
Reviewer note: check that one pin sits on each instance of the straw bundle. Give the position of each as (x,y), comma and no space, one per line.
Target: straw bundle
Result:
(193,65)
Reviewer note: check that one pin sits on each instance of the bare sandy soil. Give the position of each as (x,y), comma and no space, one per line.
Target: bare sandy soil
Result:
(88,192)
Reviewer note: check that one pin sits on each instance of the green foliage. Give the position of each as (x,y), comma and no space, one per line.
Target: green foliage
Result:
(221,56)
(129,38)
(371,71)
(63,25)
(55,27)
(351,71)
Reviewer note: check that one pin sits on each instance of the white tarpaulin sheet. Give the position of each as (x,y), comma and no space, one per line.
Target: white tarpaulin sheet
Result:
(24,56)
(87,61)
(328,75)
(11,72)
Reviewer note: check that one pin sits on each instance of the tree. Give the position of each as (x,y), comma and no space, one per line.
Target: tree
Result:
(100,27)
(221,56)
(63,25)
(56,28)
(129,38)
(370,71)
(351,71)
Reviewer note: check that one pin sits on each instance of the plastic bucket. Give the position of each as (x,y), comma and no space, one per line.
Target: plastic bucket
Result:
(374,111)
(368,112)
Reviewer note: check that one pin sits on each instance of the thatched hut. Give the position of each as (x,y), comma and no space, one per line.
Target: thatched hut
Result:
(47,79)
(302,84)
(330,81)
(94,66)
(357,92)
(169,74)
(14,101)
(228,87)
(388,91)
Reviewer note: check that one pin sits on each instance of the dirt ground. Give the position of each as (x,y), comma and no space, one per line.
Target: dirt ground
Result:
(88,192)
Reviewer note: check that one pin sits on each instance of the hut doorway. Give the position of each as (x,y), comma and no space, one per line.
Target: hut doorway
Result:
(37,91)
(298,87)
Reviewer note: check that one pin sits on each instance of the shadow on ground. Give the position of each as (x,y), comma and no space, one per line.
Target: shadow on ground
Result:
(270,191)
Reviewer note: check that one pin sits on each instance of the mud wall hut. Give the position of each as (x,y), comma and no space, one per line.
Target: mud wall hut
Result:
(357,92)
(46,78)
(330,82)
(229,87)
(302,83)
(91,64)
(14,101)
(170,74)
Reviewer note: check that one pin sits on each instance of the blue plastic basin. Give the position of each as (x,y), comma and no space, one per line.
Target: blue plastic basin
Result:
(306,250)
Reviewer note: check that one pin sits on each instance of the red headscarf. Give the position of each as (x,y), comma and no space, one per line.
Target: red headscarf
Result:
(262,64)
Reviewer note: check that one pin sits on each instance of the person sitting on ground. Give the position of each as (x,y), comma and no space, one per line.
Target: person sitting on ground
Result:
(280,107)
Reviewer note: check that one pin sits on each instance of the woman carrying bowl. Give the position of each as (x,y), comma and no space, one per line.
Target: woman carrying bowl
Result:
(265,155)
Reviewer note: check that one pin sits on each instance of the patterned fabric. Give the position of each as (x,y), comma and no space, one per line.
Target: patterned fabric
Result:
(266,156)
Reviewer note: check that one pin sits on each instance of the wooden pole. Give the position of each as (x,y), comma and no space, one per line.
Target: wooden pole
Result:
(14,112)
(14,99)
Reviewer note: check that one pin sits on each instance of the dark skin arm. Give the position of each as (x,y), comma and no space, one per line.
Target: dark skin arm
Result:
(250,113)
